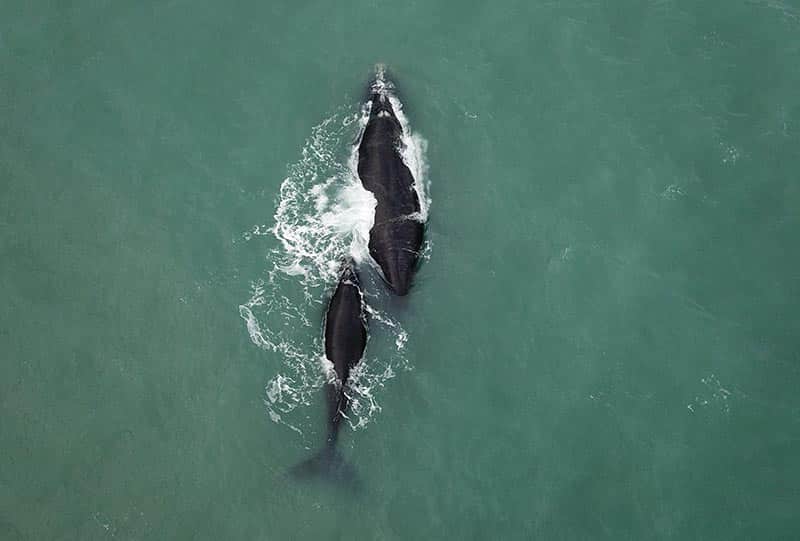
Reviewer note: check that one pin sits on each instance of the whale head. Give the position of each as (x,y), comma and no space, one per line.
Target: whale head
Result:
(378,92)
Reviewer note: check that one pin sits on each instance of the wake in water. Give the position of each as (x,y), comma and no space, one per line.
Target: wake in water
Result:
(324,214)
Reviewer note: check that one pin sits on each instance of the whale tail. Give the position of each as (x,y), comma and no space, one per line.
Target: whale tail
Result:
(327,464)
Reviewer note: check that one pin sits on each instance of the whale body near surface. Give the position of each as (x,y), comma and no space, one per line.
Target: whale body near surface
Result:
(396,236)
(345,340)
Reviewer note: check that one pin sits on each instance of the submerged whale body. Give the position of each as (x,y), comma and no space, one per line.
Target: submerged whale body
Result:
(345,340)
(396,235)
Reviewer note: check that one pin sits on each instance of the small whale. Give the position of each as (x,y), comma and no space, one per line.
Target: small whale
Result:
(345,340)
(397,232)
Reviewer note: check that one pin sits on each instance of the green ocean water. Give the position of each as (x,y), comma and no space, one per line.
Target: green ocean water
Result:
(602,343)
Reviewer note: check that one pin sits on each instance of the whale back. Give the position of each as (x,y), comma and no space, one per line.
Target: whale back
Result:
(397,233)
(345,327)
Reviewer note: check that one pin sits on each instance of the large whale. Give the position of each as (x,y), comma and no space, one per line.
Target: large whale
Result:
(345,340)
(396,235)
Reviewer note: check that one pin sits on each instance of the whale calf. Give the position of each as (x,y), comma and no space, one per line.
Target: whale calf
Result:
(345,341)
(397,232)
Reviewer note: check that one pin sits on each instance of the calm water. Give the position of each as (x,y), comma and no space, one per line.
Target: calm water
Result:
(602,342)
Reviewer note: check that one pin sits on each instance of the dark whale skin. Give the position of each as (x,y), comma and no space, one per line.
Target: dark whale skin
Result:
(345,341)
(397,233)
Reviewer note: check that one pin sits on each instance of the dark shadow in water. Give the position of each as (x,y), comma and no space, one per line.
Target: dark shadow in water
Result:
(330,467)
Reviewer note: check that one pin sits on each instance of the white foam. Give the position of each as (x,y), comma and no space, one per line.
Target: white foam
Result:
(343,211)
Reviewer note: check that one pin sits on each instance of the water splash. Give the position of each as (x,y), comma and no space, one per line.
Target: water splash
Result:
(715,394)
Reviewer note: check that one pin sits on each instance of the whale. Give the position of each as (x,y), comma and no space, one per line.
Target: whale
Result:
(345,340)
(396,236)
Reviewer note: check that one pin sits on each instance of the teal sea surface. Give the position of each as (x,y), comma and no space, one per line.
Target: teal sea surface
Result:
(603,338)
